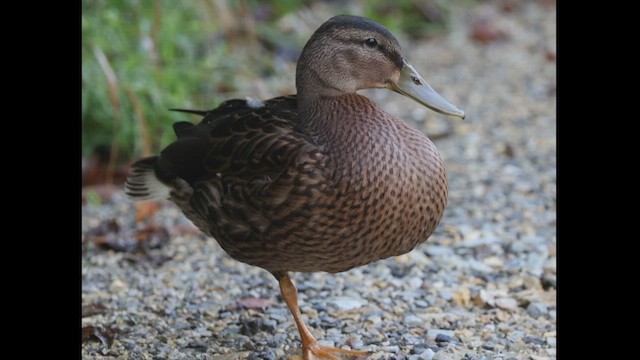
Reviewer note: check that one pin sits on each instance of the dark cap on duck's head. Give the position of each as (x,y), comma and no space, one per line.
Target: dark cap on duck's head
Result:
(348,53)
(363,31)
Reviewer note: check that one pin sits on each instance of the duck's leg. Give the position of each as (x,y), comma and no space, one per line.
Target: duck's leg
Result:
(310,347)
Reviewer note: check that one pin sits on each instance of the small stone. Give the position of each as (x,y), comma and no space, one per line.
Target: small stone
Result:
(446,294)
(344,303)
(279,318)
(471,243)
(444,338)
(464,334)
(548,281)
(269,325)
(325,342)
(414,282)
(412,320)
(393,349)
(433,333)
(531,282)
(248,346)
(516,335)
(427,355)
(489,346)
(436,251)
(443,355)
(484,298)
(117,286)
(410,339)
(494,262)
(479,266)
(507,303)
(531,339)
(537,309)
(462,297)
(374,319)
(503,316)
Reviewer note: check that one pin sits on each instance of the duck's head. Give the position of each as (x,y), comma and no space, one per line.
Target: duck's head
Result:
(349,53)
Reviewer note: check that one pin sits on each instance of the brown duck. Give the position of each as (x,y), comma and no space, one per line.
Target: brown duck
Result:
(324,180)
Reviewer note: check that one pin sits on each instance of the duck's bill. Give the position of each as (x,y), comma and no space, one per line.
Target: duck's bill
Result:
(412,85)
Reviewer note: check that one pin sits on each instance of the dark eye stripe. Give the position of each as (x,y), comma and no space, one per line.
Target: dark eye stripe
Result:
(395,57)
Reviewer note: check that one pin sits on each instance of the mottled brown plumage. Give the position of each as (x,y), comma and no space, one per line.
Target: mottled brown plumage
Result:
(322,181)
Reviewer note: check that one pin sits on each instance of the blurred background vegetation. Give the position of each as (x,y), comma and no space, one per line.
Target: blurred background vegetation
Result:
(142,57)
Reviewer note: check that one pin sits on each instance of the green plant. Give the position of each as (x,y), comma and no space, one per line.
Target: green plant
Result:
(142,57)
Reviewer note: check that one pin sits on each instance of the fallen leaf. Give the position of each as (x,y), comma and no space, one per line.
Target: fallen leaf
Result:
(550,55)
(110,236)
(104,335)
(109,226)
(484,32)
(93,309)
(145,210)
(509,6)
(106,235)
(153,237)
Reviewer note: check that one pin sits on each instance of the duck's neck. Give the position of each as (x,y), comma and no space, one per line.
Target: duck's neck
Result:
(347,124)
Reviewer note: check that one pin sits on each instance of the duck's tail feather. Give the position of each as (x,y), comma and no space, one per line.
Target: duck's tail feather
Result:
(188,111)
(143,184)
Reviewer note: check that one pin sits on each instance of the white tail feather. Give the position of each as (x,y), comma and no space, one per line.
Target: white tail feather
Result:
(143,184)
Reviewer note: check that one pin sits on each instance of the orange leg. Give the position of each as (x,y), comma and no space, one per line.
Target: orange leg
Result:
(310,348)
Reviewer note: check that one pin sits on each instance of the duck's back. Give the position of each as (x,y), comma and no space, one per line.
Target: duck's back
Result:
(286,194)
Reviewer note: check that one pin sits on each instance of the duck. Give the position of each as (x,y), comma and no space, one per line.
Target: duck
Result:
(320,181)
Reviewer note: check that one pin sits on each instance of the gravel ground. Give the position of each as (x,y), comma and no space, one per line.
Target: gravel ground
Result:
(482,287)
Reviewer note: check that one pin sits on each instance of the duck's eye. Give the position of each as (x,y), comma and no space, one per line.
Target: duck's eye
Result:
(371,42)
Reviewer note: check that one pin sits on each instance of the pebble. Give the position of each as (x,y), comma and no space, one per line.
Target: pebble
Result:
(412,320)
(489,346)
(439,250)
(441,355)
(537,309)
(444,338)
(346,303)
(534,340)
(507,303)
(433,333)
(427,355)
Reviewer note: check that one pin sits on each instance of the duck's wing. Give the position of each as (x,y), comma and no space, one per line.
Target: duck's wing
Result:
(245,162)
